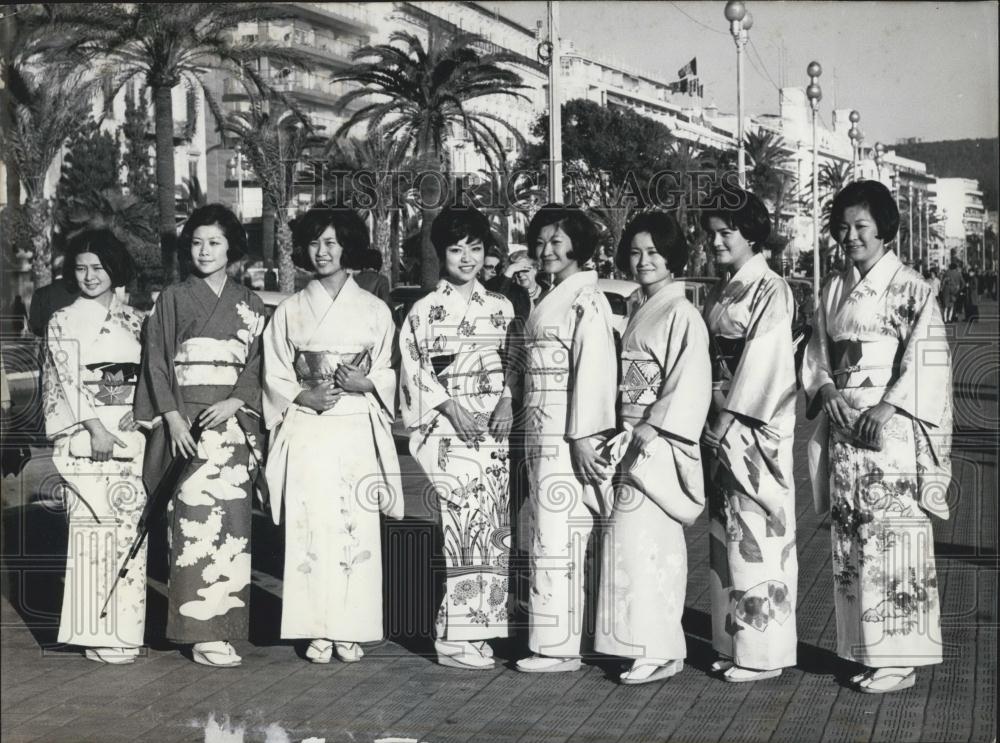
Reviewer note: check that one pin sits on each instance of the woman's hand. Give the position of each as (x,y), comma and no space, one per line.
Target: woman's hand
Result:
(713,435)
(181,441)
(320,398)
(102,441)
(467,426)
(128,422)
(219,413)
(835,406)
(502,419)
(350,378)
(869,424)
(642,436)
(590,466)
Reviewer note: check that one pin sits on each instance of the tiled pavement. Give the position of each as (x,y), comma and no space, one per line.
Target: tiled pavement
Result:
(54,695)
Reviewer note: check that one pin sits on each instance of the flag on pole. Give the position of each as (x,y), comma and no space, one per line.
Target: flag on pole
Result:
(690,69)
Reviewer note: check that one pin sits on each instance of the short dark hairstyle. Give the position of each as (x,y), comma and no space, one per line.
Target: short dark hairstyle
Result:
(748,214)
(873,196)
(570,219)
(494,252)
(457,223)
(350,228)
(668,238)
(109,250)
(373,260)
(213,214)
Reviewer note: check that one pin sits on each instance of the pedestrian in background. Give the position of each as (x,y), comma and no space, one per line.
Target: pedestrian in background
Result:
(952,285)
(971,296)
(748,447)
(879,367)
(92,354)
(202,363)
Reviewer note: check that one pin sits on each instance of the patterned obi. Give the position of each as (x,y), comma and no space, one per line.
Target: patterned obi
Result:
(726,355)
(642,378)
(113,383)
(315,367)
(476,374)
(209,362)
(869,363)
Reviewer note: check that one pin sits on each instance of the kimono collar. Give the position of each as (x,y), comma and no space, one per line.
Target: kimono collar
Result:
(671,291)
(573,285)
(319,299)
(446,289)
(752,270)
(205,294)
(879,276)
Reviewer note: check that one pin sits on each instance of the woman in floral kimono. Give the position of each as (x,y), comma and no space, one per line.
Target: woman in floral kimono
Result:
(569,408)
(91,364)
(457,406)
(201,362)
(879,366)
(664,397)
(748,443)
(329,397)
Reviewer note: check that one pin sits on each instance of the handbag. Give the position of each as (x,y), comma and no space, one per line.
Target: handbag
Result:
(109,416)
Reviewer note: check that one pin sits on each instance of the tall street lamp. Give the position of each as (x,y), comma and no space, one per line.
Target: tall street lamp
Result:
(235,167)
(740,23)
(879,152)
(909,217)
(814,93)
(855,135)
(555,110)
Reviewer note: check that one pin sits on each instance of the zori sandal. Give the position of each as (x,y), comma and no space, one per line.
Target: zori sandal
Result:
(320,651)
(739,675)
(112,656)
(894,680)
(462,655)
(349,652)
(219,654)
(647,673)
(545,664)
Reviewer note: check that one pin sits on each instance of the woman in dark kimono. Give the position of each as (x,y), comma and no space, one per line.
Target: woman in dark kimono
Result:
(202,362)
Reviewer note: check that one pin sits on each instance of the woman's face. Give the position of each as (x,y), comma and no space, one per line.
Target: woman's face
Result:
(209,250)
(325,253)
(553,249)
(463,260)
(729,246)
(646,263)
(91,277)
(857,234)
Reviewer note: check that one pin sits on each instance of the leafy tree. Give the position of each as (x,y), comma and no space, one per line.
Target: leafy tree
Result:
(92,163)
(421,97)
(136,158)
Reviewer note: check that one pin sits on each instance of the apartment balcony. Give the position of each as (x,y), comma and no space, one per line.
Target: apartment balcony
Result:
(354,17)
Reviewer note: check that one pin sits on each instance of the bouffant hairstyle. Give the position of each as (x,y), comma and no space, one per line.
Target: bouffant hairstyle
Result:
(876,198)
(350,228)
(457,223)
(109,250)
(571,220)
(213,214)
(739,210)
(667,235)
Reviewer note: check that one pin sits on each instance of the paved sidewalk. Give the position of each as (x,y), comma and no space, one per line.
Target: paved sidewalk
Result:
(397,691)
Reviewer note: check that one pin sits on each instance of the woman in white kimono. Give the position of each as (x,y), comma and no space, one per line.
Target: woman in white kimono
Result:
(457,406)
(664,397)
(570,377)
(91,364)
(748,442)
(879,366)
(329,397)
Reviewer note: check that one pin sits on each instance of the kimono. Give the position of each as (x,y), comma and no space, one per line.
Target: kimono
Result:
(332,471)
(451,349)
(881,338)
(665,382)
(570,379)
(749,480)
(90,369)
(200,349)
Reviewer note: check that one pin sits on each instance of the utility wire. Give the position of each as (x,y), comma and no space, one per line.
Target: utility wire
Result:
(695,20)
(761,60)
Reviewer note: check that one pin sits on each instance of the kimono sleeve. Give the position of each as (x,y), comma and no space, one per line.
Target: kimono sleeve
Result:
(924,383)
(816,371)
(281,386)
(248,383)
(765,376)
(510,351)
(67,400)
(593,369)
(155,391)
(686,393)
(420,390)
(384,360)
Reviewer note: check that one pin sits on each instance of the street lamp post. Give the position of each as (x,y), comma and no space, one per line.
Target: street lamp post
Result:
(235,165)
(740,23)
(814,93)
(909,217)
(855,135)
(879,152)
(555,111)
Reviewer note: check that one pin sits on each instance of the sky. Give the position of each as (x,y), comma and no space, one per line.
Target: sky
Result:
(911,69)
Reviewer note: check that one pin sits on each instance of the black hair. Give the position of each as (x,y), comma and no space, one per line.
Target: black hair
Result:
(213,214)
(739,210)
(457,223)
(350,228)
(372,260)
(494,252)
(668,238)
(573,221)
(876,198)
(109,250)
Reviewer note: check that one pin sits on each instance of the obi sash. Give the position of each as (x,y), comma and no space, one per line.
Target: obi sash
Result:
(209,362)
(547,368)
(641,378)
(726,356)
(477,374)
(112,383)
(315,367)
(864,363)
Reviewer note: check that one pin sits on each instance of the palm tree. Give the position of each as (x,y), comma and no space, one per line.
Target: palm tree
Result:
(422,96)
(273,136)
(167,44)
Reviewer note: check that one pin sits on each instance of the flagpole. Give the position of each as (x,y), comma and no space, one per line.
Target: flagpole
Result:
(814,93)
(555,111)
